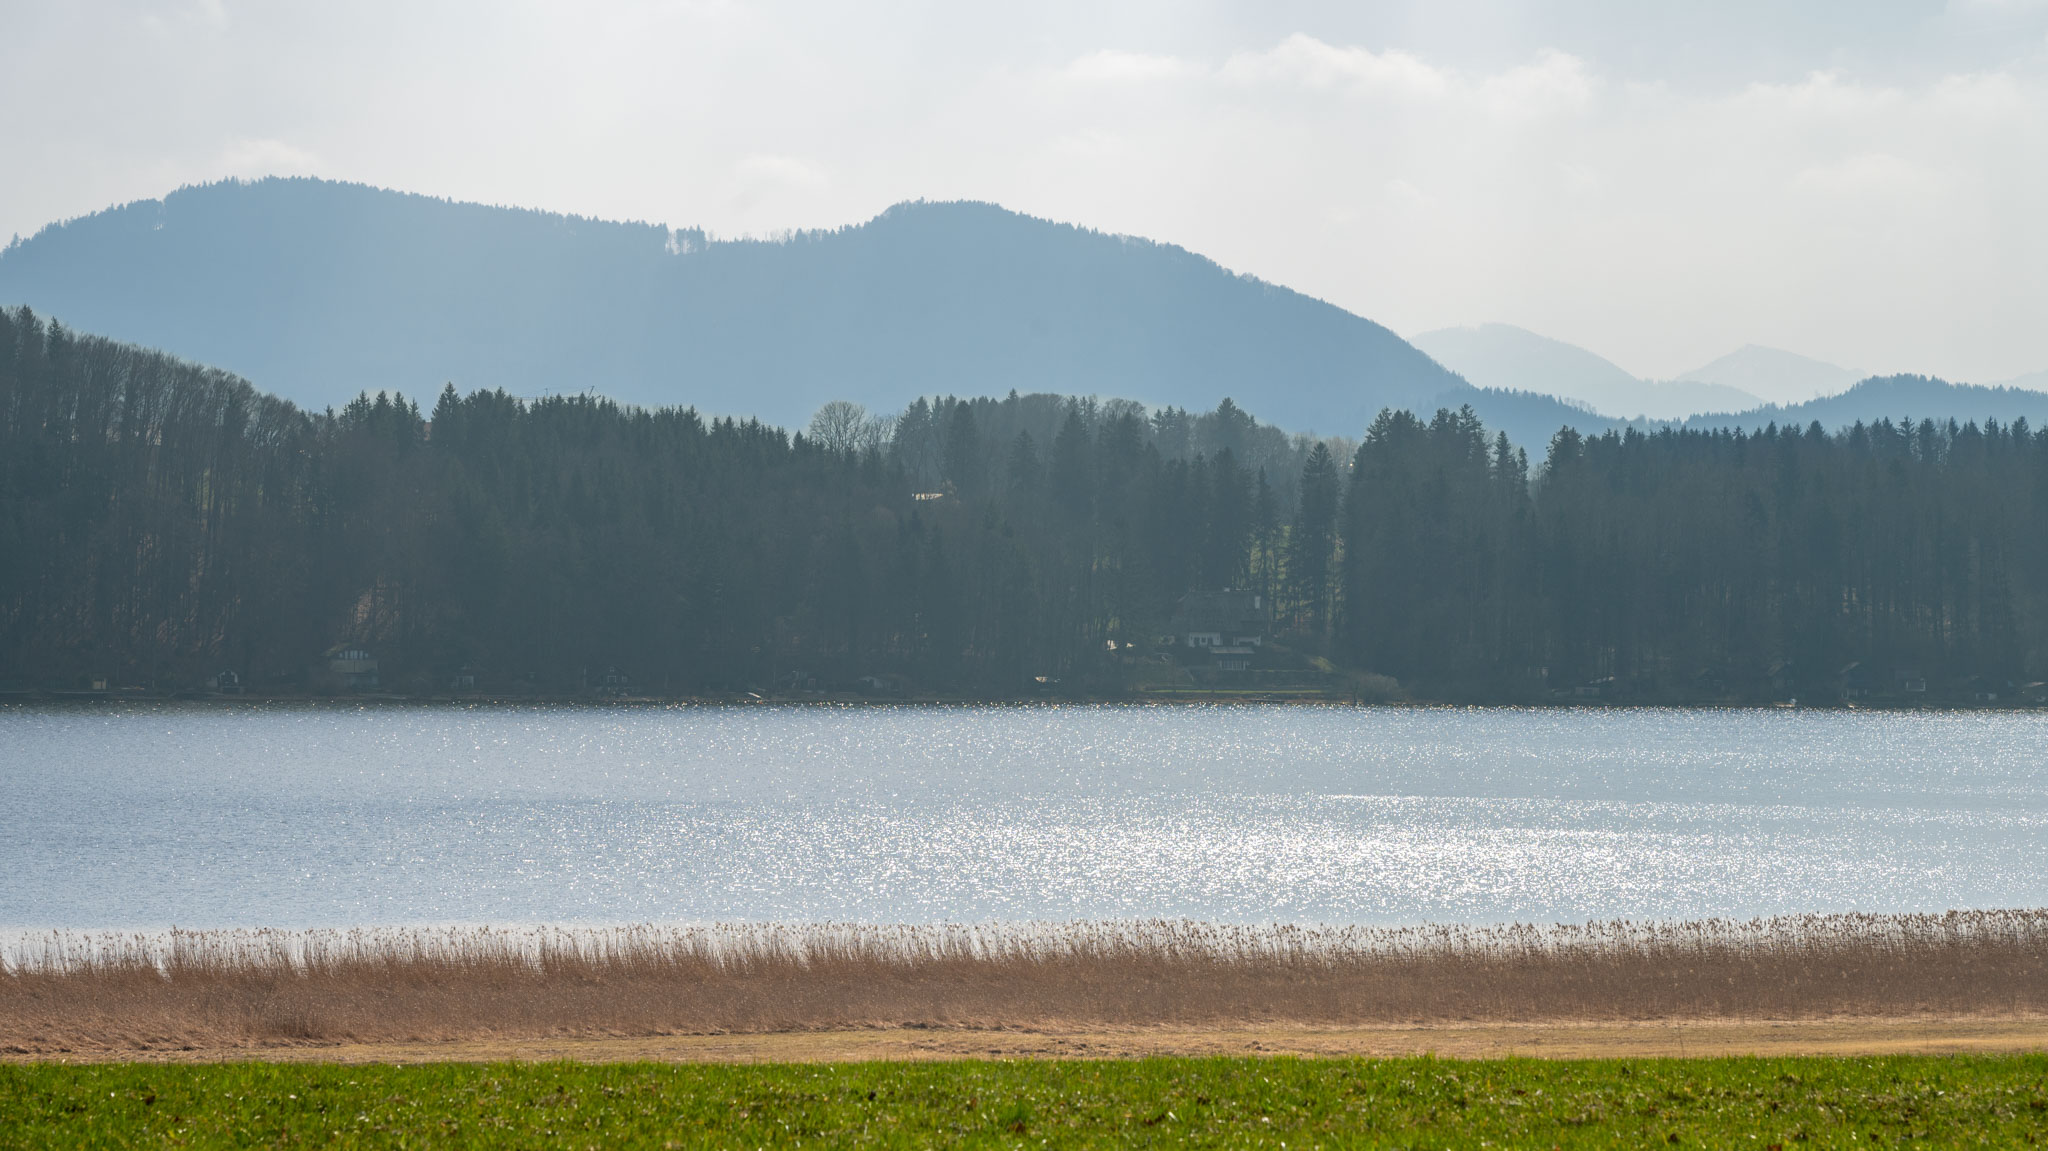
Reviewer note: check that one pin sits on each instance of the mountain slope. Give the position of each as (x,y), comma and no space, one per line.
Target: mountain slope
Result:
(1895,397)
(1775,376)
(2032,381)
(1531,418)
(316,290)
(1502,356)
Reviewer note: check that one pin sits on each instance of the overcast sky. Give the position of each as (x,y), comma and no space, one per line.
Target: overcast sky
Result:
(1865,181)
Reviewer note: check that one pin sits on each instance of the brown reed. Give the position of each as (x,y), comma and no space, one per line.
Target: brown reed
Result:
(214,989)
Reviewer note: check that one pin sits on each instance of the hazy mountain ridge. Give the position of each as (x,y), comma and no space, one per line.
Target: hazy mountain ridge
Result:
(1902,397)
(1513,367)
(2031,381)
(1775,376)
(1507,358)
(318,290)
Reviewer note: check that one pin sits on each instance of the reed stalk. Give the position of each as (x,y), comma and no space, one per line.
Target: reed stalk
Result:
(91,991)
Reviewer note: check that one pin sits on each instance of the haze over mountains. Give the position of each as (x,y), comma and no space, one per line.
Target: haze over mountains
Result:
(1749,388)
(317,290)
(1903,397)
(2034,381)
(1515,359)
(1774,376)
(1506,357)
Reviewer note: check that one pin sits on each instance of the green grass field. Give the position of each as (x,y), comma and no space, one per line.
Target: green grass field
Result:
(1725,1103)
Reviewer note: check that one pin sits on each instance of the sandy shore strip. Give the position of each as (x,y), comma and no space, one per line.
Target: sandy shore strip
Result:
(1668,1039)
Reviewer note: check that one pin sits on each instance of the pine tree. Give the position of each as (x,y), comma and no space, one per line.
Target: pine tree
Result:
(964,466)
(1312,544)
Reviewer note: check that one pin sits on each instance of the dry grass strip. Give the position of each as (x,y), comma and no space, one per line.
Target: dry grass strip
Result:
(251,990)
(1664,1039)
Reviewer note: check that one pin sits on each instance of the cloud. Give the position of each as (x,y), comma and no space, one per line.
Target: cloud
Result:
(788,171)
(1554,82)
(247,158)
(1820,96)
(210,15)
(760,179)
(1871,175)
(1985,94)
(1308,62)
(1113,67)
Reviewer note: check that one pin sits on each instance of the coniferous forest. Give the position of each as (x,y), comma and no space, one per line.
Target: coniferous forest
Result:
(162,524)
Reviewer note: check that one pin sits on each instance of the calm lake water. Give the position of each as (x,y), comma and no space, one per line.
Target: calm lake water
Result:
(150,815)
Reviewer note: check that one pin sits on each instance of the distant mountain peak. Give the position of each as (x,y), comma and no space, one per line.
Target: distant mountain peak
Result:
(1505,358)
(2032,381)
(1775,375)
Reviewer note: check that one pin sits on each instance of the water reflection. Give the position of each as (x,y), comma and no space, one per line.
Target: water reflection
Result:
(304,815)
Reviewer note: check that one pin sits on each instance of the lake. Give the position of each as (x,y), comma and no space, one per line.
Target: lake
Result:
(207,815)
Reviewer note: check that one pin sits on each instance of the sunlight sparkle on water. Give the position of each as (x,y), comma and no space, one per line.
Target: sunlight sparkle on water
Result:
(309,815)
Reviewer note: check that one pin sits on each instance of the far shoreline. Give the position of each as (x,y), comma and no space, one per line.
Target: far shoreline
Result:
(1133,699)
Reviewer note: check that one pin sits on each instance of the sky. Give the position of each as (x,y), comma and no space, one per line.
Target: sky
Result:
(1862,181)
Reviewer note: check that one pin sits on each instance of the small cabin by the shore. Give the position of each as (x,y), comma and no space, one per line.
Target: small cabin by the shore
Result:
(1221,619)
(351,667)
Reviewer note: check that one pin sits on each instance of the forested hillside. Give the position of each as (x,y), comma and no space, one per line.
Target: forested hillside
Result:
(161,523)
(320,290)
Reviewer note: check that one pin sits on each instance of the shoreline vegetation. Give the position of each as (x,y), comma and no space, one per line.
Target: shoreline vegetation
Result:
(70,994)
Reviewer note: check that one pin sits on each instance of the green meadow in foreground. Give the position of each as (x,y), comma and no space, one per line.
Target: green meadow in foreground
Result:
(1759,1103)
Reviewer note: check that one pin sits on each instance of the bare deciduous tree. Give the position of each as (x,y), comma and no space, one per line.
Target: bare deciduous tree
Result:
(846,427)
(840,426)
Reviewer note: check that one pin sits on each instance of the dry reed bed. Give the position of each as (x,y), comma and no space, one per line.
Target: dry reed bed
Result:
(70,991)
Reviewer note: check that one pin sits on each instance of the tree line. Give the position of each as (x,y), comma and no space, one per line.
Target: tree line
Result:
(161,523)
